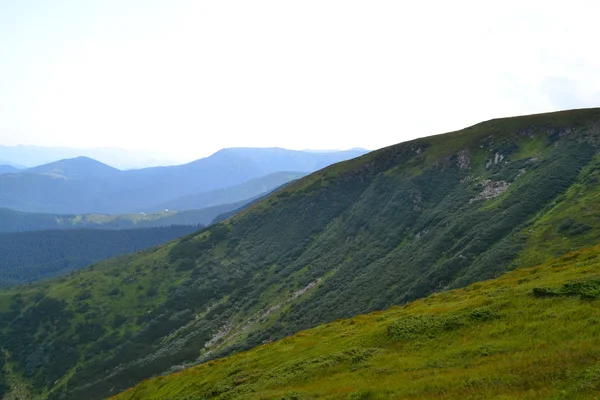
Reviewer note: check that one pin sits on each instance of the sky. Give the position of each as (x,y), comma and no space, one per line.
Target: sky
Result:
(186,78)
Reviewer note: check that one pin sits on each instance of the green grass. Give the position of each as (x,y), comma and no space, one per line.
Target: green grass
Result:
(494,339)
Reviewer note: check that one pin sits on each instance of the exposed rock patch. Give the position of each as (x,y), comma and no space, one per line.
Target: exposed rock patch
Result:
(491,189)
(497,159)
(417,201)
(464,160)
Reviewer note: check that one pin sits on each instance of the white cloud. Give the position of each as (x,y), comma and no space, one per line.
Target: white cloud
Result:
(189,77)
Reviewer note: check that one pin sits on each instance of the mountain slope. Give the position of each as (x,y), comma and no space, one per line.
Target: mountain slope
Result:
(386,228)
(233,194)
(49,193)
(532,333)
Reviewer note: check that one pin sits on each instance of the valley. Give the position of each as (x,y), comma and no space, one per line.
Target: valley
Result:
(423,219)
(271,200)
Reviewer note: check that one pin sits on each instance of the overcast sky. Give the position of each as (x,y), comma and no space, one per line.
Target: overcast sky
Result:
(190,77)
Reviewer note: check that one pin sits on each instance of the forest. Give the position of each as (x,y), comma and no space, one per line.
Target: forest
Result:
(30,256)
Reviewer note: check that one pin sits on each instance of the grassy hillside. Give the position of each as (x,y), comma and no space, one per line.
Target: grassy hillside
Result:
(531,334)
(386,228)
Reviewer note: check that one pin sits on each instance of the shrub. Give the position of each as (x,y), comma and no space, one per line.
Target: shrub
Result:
(84,295)
(428,326)
(118,320)
(585,289)
(482,314)
(545,292)
(565,224)
(185,264)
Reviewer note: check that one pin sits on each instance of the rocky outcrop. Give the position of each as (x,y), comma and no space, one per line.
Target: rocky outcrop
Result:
(491,189)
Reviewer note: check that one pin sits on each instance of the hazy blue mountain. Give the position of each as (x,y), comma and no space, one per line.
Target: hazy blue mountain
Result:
(232,194)
(7,169)
(76,168)
(70,186)
(30,156)
(292,160)
(12,164)
(225,168)
(82,185)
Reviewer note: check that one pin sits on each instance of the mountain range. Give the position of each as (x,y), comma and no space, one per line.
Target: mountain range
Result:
(83,185)
(387,228)
(30,156)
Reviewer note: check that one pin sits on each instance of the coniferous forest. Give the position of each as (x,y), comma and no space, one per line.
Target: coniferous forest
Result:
(30,256)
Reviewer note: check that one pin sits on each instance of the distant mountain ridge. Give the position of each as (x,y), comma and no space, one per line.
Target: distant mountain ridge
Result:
(76,168)
(232,194)
(82,185)
(25,156)
(20,221)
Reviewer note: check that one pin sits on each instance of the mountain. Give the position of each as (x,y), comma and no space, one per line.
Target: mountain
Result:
(279,159)
(30,256)
(76,168)
(83,186)
(12,164)
(225,168)
(65,186)
(383,229)
(7,169)
(506,338)
(241,192)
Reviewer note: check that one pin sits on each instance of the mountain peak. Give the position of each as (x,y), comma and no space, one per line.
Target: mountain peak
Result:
(78,167)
